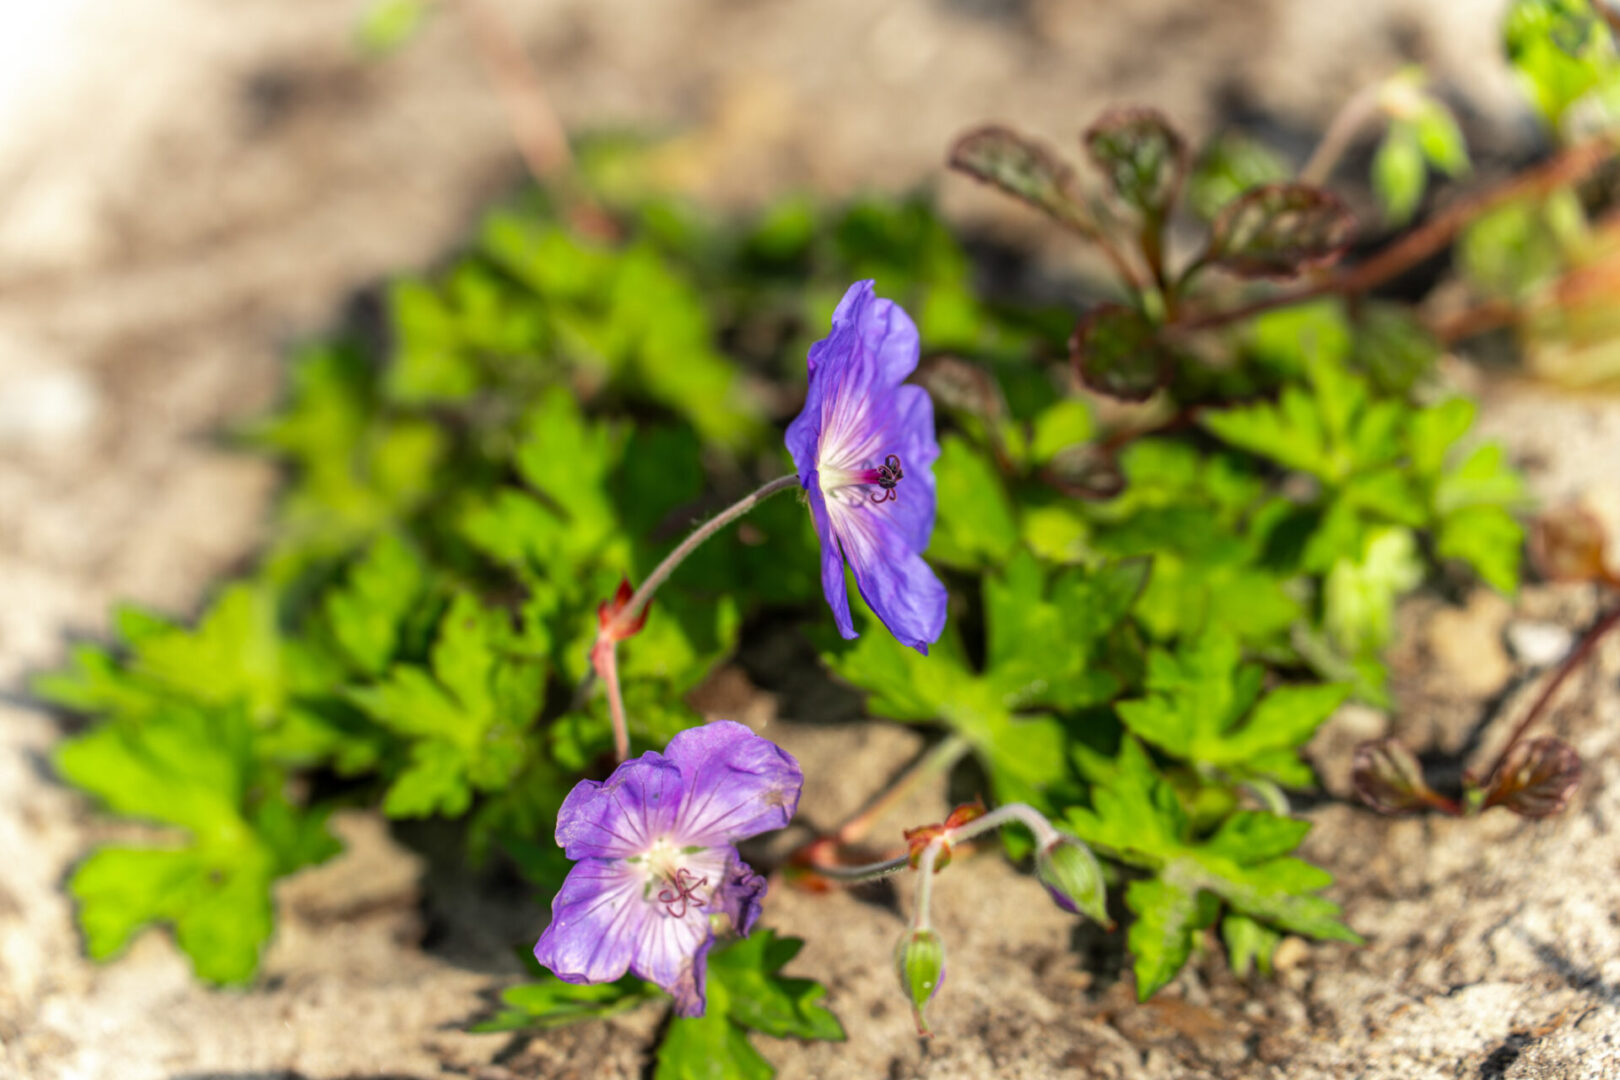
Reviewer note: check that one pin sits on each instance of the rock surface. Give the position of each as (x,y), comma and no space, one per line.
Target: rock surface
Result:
(205,184)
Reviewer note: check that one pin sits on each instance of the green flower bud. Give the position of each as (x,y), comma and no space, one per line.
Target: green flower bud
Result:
(919,960)
(1072,875)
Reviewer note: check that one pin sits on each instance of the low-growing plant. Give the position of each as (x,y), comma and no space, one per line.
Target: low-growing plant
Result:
(1165,539)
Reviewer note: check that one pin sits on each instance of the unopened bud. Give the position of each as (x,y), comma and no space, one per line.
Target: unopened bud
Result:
(919,960)
(1537,778)
(1073,876)
(1388,778)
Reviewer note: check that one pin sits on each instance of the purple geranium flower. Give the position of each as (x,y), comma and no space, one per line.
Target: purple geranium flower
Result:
(864,447)
(654,844)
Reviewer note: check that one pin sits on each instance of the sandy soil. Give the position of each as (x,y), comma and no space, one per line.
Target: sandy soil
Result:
(208,183)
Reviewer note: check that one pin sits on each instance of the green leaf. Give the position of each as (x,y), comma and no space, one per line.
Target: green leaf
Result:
(1142,157)
(219,904)
(1279,230)
(552,1003)
(1061,425)
(1399,173)
(1393,347)
(1161,938)
(367,612)
(1205,706)
(1487,538)
(1441,138)
(710,1047)
(386,25)
(764,1000)
(1024,753)
(1360,591)
(465,720)
(1136,816)
(975,526)
(431,362)
(1248,944)
(1229,165)
(1561,50)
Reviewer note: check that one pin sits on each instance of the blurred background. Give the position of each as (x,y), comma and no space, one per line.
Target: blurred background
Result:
(190,187)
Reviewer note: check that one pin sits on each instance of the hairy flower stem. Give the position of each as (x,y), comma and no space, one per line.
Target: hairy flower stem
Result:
(1575,659)
(643,595)
(1012,813)
(604,654)
(925,883)
(607,661)
(856,875)
(938,760)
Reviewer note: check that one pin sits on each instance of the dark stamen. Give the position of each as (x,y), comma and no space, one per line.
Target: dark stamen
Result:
(681,892)
(889,474)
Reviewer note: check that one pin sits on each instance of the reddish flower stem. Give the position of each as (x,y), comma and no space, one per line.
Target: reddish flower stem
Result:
(1566,167)
(1575,659)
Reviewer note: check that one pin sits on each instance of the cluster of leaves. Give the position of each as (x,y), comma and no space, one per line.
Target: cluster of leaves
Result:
(543,417)
(1149,618)
(746,992)
(1277,481)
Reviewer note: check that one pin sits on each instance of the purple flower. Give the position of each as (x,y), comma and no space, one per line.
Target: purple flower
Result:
(864,447)
(654,844)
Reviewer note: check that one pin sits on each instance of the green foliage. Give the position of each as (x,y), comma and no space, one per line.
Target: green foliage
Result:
(551,1003)
(1206,706)
(1046,654)
(1422,133)
(1564,54)
(550,413)
(747,992)
(1137,817)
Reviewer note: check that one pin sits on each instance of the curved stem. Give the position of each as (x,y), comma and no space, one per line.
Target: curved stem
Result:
(1021,813)
(610,677)
(1361,107)
(640,598)
(937,760)
(1566,167)
(925,883)
(854,875)
(1575,659)
(538,132)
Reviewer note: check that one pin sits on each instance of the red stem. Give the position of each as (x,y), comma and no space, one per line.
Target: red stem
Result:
(1403,253)
(1575,659)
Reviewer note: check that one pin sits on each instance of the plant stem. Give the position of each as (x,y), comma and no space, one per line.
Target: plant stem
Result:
(1575,659)
(1020,813)
(538,133)
(938,760)
(643,595)
(854,875)
(925,883)
(1341,130)
(1567,167)
(609,668)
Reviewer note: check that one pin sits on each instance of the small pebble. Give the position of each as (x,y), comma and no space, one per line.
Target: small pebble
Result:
(1539,644)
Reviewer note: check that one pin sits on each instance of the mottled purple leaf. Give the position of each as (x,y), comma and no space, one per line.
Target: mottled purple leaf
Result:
(1025,169)
(1537,778)
(1388,778)
(1116,351)
(1278,230)
(1143,158)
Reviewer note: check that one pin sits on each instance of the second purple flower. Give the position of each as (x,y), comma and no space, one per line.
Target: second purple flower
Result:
(865,448)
